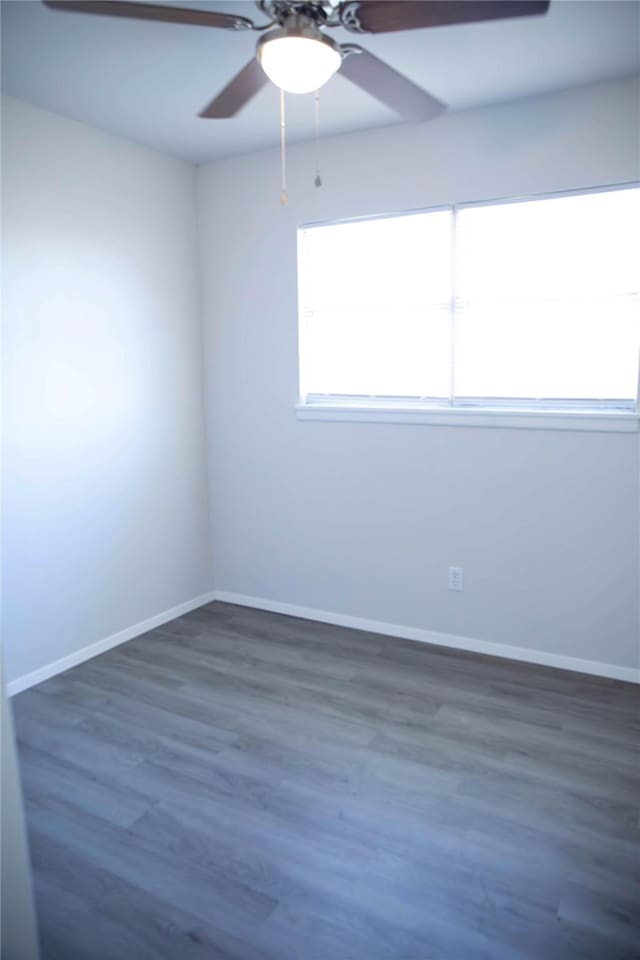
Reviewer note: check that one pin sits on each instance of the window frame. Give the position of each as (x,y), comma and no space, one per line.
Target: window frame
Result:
(602,417)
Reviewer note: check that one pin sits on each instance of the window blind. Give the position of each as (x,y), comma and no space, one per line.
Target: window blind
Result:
(547,301)
(516,304)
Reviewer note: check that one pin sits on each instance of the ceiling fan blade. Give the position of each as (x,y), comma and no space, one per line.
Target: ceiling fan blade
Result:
(237,93)
(152,11)
(387,85)
(380,16)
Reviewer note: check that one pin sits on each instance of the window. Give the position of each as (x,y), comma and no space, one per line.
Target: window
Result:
(524,305)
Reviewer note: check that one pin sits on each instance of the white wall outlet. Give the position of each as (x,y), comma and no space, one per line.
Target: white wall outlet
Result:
(456,578)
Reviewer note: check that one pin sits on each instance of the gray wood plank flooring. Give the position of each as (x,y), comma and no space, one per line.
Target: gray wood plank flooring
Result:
(240,785)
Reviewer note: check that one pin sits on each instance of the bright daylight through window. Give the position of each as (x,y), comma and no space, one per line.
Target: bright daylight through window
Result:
(517,305)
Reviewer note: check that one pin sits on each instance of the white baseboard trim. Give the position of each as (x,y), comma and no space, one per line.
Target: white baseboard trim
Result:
(527,655)
(101,646)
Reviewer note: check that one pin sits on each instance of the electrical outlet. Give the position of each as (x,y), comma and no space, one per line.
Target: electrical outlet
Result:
(456,578)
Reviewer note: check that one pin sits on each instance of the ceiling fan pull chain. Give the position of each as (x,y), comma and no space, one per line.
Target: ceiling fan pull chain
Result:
(318,179)
(284,199)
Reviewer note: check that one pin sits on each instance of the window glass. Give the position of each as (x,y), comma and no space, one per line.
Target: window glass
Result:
(518,303)
(375,306)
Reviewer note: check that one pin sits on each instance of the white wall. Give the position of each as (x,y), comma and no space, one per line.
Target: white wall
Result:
(105,500)
(363,519)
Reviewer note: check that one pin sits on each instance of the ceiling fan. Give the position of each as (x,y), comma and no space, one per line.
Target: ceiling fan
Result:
(299,56)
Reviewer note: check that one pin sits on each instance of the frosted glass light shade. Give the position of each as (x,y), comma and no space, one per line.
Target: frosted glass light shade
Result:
(299,64)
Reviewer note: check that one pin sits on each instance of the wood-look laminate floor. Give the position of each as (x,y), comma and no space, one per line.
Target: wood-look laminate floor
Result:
(239,784)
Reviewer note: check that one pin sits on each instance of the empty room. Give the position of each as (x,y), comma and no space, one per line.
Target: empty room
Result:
(320,480)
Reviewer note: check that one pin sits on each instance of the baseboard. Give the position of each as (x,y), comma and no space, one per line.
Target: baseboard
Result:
(527,655)
(101,646)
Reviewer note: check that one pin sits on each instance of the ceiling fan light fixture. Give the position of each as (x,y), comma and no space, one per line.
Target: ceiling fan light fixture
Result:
(298,59)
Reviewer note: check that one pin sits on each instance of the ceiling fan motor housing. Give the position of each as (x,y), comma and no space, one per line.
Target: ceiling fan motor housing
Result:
(279,11)
(296,24)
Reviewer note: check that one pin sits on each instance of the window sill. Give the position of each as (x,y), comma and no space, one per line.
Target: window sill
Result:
(598,421)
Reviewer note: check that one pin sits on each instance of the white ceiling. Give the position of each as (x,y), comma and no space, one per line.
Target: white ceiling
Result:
(147,81)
